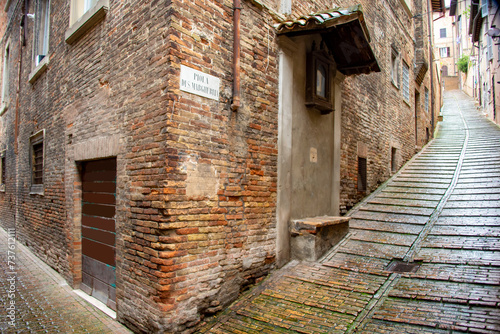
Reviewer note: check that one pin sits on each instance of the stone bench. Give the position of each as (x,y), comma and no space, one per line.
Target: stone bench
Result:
(312,237)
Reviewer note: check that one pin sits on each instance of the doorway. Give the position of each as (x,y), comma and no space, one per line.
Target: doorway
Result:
(98,230)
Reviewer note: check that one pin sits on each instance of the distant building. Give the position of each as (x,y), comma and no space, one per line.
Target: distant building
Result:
(445,39)
(480,38)
(154,153)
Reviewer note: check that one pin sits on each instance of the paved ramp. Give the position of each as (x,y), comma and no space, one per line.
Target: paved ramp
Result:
(422,255)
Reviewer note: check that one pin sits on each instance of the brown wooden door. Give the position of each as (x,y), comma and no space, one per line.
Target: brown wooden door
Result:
(98,230)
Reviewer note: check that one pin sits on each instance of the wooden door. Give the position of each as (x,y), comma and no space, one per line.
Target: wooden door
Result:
(98,230)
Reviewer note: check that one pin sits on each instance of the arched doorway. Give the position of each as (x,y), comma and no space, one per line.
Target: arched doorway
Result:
(444,70)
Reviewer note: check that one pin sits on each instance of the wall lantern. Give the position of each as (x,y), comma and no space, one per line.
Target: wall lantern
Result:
(320,69)
(493,32)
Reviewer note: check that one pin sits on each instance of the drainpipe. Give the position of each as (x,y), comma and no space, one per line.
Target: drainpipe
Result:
(18,90)
(431,61)
(236,56)
(22,39)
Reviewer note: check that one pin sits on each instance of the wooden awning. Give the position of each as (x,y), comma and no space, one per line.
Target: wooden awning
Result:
(344,33)
(438,6)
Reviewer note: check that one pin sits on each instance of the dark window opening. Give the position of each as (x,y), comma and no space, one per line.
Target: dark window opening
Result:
(394,162)
(361,174)
(2,171)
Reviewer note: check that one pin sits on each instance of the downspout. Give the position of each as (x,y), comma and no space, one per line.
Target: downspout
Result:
(19,72)
(22,39)
(431,60)
(235,104)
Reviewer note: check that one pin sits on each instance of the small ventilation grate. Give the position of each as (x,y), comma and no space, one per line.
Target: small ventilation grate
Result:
(400,266)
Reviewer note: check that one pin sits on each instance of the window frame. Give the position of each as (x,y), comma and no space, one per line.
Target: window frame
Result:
(315,60)
(444,50)
(83,23)
(395,67)
(41,32)
(39,65)
(442,31)
(36,139)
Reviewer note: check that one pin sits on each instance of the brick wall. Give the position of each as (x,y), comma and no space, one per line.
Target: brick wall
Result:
(196,185)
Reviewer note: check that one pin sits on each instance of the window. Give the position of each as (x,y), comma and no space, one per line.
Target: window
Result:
(395,67)
(37,162)
(484,8)
(361,174)
(40,39)
(409,6)
(41,35)
(84,15)
(444,52)
(5,79)
(426,100)
(406,82)
(80,7)
(2,171)
(489,52)
(442,33)
(394,160)
(318,77)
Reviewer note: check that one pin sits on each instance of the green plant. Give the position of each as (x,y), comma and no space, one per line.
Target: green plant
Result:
(466,12)
(463,64)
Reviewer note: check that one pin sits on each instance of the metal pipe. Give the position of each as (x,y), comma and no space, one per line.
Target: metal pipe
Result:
(236,55)
(22,29)
(431,61)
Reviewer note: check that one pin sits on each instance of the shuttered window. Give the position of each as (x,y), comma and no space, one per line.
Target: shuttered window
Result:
(406,82)
(489,42)
(37,162)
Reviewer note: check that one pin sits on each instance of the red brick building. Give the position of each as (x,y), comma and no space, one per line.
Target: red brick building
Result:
(157,169)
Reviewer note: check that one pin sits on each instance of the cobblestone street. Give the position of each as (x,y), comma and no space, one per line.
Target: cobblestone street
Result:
(439,216)
(42,300)
(440,213)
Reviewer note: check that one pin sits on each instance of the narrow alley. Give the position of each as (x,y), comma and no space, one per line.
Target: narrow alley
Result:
(421,256)
(38,300)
